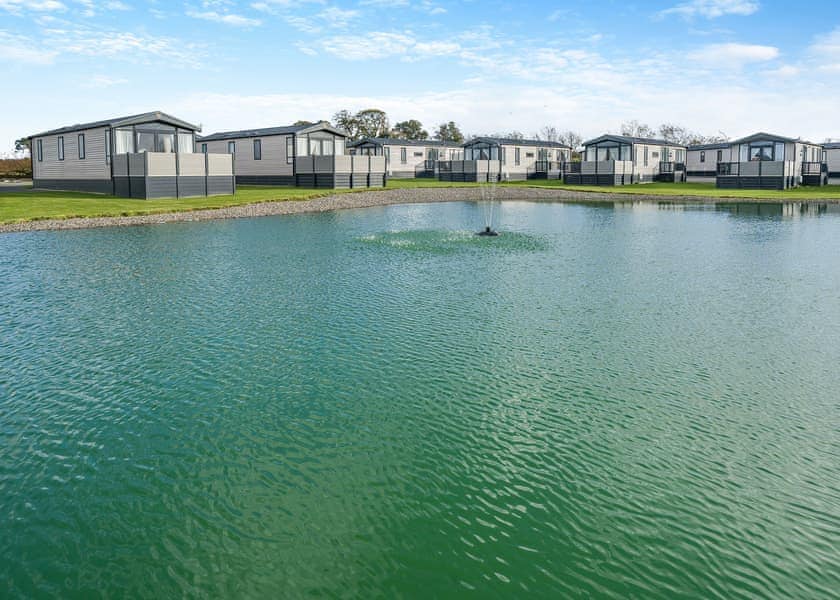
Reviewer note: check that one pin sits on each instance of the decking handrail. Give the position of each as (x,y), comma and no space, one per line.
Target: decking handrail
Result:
(814,168)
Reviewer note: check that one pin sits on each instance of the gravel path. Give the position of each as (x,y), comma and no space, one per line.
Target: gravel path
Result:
(355,200)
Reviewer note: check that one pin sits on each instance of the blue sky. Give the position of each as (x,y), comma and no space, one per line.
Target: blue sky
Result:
(734,66)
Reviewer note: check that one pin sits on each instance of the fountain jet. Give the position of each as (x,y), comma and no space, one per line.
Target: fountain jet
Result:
(488,201)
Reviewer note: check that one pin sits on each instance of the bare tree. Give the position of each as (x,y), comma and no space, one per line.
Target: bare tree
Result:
(570,138)
(548,133)
(635,129)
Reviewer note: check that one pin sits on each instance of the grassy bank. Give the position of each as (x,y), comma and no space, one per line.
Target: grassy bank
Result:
(27,205)
(707,190)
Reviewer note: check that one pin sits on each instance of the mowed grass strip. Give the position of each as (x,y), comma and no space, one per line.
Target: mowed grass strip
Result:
(708,190)
(19,206)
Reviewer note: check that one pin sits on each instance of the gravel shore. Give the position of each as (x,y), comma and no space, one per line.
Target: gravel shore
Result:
(355,200)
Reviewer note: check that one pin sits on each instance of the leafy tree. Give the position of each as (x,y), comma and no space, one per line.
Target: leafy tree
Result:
(347,121)
(21,144)
(410,130)
(372,122)
(304,122)
(449,132)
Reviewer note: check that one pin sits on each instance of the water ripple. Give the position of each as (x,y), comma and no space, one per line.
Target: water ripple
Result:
(599,402)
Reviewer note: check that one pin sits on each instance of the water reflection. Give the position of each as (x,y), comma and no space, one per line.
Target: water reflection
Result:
(793,210)
(789,210)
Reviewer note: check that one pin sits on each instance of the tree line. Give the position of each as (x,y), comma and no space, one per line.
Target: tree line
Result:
(373,122)
(670,132)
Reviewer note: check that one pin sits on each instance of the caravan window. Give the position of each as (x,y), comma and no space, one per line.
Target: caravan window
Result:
(145,141)
(124,141)
(61,147)
(257,150)
(165,142)
(81,146)
(702,156)
(40,151)
(186,142)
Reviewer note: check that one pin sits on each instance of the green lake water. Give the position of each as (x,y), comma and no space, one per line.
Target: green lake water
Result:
(612,401)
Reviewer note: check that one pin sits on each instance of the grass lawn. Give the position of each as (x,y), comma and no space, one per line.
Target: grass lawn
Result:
(17,206)
(708,190)
(38,205)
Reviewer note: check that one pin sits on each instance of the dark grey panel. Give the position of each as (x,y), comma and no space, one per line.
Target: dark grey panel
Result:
(359,180)
(121,187)
(752,183)
(701,173)
(220,185)
(281,180)
(305,180)
(191,186)
(814,180)
(138,187)
(95,186)
(160,187)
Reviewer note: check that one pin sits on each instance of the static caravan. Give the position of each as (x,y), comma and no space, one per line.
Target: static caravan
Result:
(141,156)
(766,161)
(622,160)
(702,160)
(297,155)
(831,160)
(505,159)
(408,158)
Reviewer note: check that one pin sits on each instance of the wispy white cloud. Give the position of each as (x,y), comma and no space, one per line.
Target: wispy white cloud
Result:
(373,45)
(16,50)
(122,46)
(226,18)
(18,7)
(712,9)
(825,51)
(103,81)
(426,6)
(733,54)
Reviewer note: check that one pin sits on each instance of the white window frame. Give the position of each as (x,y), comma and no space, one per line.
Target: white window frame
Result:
(81,142)
(60,147)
